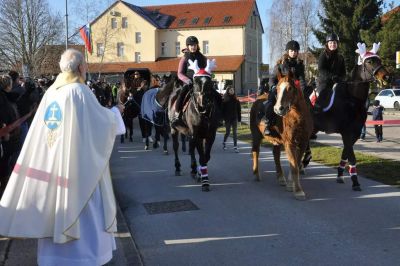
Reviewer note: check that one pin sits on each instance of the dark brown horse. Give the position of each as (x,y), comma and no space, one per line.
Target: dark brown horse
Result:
(199,122)
(292,131)
(347,112)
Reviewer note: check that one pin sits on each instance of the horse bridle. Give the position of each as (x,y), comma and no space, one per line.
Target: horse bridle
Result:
(373,72)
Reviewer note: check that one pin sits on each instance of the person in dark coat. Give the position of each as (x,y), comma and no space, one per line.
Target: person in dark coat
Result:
(288,62)
(11,144)
(332,70)
(377,115)
(231,112)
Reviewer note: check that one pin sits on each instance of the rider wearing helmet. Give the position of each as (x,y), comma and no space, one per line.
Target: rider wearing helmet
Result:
(289,61)
(192,51)
(331,68)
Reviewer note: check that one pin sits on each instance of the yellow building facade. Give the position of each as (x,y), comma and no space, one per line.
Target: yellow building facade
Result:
(128,36)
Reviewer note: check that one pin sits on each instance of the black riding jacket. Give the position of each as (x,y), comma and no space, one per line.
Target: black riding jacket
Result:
(284,65)
(331,67)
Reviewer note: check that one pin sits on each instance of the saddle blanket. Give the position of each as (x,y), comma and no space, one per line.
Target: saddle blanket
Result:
(150,109)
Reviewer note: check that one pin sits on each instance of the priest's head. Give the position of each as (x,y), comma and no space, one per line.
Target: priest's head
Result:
(73,61)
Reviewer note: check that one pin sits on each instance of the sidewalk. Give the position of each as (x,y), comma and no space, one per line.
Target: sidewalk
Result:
(18,252)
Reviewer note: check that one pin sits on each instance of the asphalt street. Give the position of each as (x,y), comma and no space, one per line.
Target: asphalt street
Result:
(243,222)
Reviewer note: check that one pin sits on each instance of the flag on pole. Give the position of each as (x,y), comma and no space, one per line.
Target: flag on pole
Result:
(86,36)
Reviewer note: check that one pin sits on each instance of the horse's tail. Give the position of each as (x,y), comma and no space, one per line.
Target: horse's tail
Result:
(256,114)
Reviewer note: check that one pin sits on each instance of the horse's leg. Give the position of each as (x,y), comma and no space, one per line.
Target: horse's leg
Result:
(208,145)
(203,171)
(348,142)
(193,162)
(276,151)
(183,139)
(175,145)
(294,157)
(306,159)
(255,151)
(165,137)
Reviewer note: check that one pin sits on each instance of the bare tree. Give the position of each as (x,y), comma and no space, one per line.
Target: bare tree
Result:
(27,27)
(283,26)
(86,13)
(307,22)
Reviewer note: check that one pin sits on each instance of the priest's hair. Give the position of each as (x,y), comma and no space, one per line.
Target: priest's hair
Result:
(70,60)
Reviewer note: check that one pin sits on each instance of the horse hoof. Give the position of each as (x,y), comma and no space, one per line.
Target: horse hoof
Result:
(340,180)
(289,188)
(356,188)
(205,187)
(146,148)
(165,152)
(300,195)
(257,179)
(178,173)
(281,181)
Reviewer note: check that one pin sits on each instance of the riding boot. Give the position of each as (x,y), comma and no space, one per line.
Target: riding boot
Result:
(269,114)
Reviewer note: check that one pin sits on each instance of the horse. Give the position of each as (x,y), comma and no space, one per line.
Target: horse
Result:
(199,122)
(292,131)
(347,111)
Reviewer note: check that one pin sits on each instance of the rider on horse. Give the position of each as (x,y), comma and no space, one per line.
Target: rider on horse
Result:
(288,62)
(192,52)
(332,70)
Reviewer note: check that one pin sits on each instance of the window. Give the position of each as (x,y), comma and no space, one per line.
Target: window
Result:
(124,22)
(177,48)
(194,21)
(137,57)
(138,37)
(100,49)
(181,22)
(120,49)
(205,47)
(113,23)
(163,48)
(207,20)
(227,19)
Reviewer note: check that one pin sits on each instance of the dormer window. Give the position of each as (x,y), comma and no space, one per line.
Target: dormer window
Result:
(181,22)
(207,20)
(195,20)
(227,19)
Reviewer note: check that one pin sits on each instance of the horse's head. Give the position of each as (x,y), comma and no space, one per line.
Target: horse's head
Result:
(287,93)
(203,86)
(370,65)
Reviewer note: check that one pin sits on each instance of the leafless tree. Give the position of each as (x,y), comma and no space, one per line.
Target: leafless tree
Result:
(86,13)
(26,28)
(307,20)
(290,20)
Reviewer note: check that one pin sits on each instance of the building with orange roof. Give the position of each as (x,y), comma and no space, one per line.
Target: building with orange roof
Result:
(129,36)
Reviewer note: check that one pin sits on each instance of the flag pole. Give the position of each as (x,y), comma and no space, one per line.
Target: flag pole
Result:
(66,24)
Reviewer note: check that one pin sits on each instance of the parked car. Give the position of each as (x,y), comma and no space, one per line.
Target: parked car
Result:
(389,98)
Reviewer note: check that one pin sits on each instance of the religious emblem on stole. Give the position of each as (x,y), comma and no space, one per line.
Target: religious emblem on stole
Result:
(52,119)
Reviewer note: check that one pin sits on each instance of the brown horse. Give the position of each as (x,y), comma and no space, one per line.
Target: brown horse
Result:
(292,131)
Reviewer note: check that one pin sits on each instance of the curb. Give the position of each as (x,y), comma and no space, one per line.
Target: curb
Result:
(129,253)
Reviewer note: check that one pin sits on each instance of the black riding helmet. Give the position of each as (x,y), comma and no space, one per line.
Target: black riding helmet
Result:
(191,40)
(332,37)
(292,45)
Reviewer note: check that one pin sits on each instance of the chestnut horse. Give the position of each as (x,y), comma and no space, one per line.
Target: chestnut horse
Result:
(292,131)
(347,112)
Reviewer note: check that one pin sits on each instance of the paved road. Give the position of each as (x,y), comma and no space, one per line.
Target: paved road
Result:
(243,222)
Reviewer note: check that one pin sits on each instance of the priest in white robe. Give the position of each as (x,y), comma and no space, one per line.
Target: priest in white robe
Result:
(60,190)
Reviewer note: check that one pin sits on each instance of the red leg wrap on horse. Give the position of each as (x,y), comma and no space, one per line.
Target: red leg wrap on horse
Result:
(352,170)
(203,171)
(342,163)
